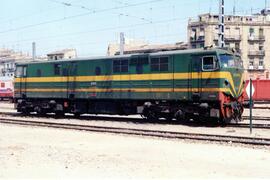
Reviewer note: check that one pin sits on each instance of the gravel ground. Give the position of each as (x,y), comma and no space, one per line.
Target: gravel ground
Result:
(44,153)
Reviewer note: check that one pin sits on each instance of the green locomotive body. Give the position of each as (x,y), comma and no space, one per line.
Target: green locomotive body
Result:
(174,84)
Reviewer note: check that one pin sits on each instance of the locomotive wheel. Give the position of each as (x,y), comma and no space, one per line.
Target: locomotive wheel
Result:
(59,114)
(25,111)
(150,115)
(77,115)
(39,111)
(179,115)
(228,116)
(169,117)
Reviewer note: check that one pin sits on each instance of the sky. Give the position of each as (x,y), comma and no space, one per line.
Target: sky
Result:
(90,25)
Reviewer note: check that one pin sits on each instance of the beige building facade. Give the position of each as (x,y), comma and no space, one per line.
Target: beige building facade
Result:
(62,54)
(249,35)
(113,49)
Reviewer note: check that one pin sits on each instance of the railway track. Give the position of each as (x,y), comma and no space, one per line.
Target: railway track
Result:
(142,132)
(257,118)
(142,121)
(245,125)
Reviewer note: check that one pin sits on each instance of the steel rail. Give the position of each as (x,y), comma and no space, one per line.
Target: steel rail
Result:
(257,118)
(245,125)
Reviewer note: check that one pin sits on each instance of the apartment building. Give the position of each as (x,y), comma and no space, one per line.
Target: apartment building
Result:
(248,35)
(8,60)
(62,54)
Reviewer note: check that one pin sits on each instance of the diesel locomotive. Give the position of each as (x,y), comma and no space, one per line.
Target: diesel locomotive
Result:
(184,84)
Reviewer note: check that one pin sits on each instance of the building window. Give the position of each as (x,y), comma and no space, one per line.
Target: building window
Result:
(57,69)
(160,64)
(251,62)
(2,85)
(260,32)
(201,45)
(120,66)
(237,46)
(261,62)
(251,31)
(201,29)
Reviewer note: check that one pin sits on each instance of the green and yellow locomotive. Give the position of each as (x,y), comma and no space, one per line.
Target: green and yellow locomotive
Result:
(186,84)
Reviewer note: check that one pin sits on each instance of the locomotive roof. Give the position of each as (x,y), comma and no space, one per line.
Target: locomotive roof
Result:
(162,53)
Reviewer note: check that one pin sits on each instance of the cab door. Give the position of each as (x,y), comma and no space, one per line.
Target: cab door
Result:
(72,79)
(195,75)
(70,72)
(22,74)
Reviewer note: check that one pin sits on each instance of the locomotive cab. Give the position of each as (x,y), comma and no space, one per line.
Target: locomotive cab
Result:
(231,101)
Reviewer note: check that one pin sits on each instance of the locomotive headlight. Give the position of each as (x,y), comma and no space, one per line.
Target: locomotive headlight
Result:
(226,82)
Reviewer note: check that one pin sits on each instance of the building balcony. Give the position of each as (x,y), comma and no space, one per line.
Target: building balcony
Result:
(250,67)
(236,38)
(256,53)
(10,69)
(256,67)
(256,38)
(230,38)
(261,67)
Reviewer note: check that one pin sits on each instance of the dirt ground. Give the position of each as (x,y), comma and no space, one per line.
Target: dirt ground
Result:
(44,153)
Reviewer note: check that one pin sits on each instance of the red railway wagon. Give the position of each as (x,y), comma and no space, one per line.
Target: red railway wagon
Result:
(262,90)
(6,88)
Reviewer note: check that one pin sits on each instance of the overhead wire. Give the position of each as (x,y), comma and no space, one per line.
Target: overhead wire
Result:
(105,29)
(34,13)
(78,15)
(91,10)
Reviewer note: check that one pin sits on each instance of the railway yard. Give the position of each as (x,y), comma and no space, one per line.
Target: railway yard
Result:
(120,147)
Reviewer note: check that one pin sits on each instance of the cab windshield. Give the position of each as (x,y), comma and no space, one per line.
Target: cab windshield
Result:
(227,60)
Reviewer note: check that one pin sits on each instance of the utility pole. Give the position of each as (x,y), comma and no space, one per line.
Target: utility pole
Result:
(33,51)
(234,7)
(221,42)
(122,43)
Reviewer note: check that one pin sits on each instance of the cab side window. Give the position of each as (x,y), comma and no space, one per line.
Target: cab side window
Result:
(209,63)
